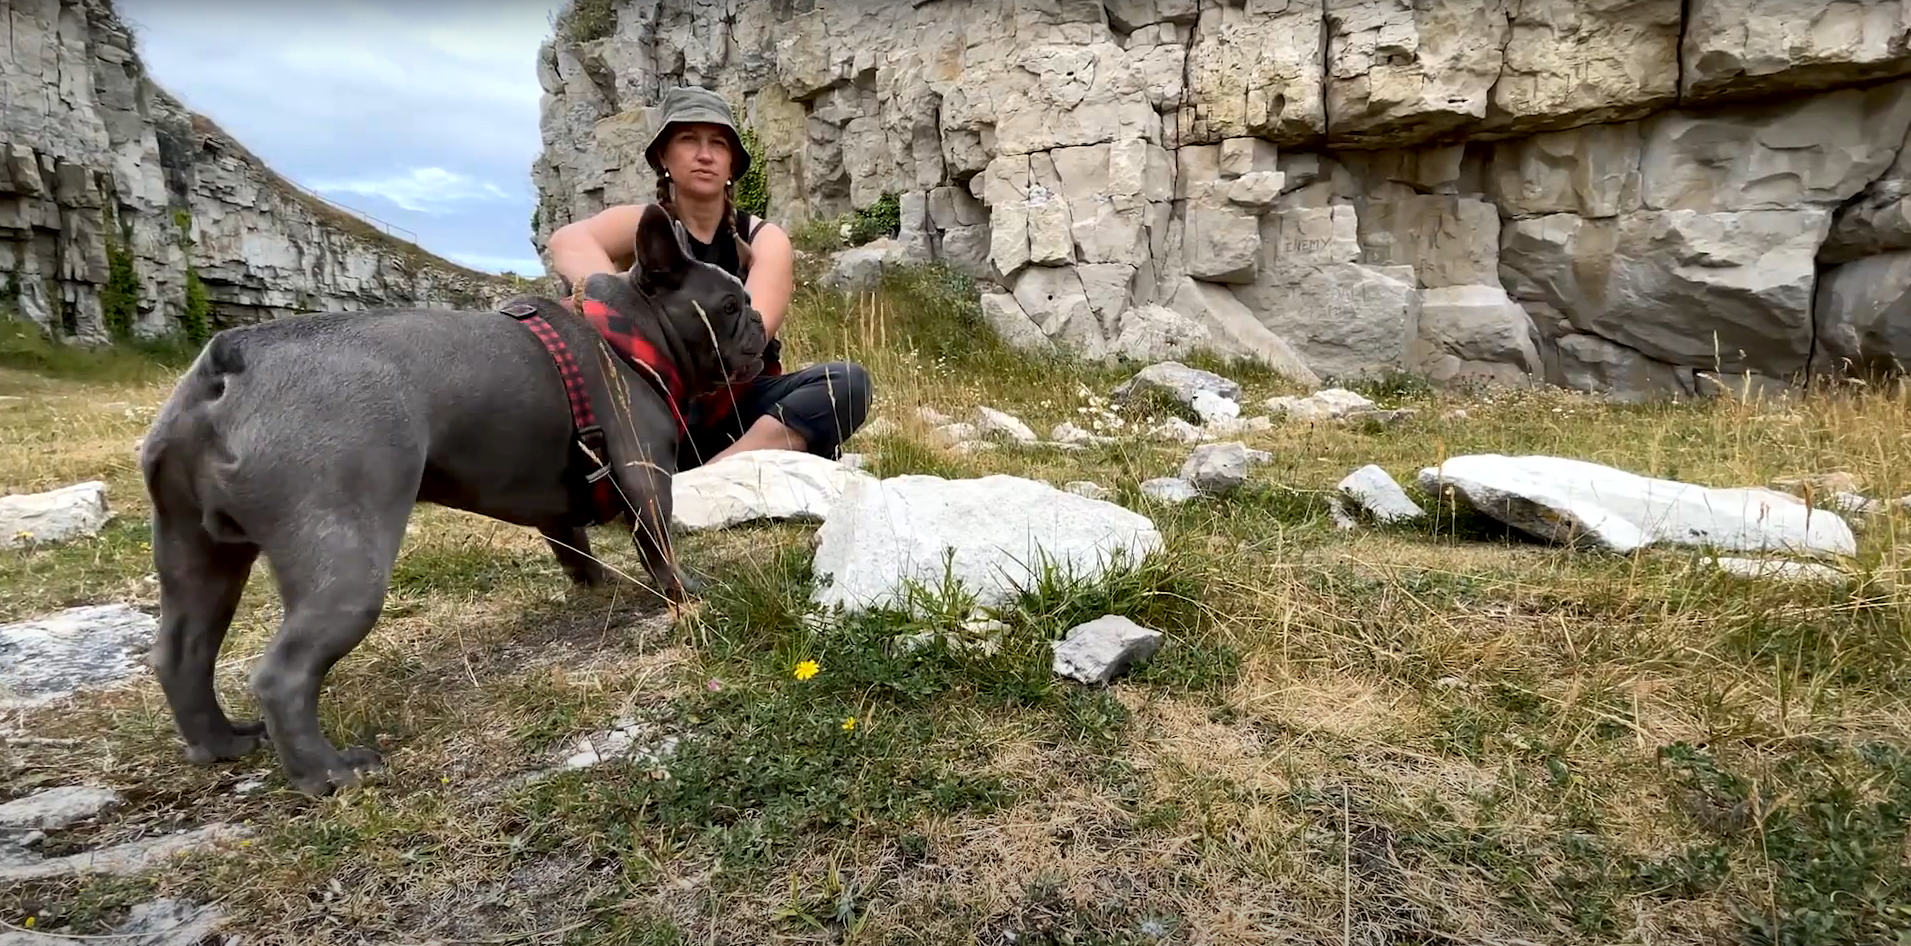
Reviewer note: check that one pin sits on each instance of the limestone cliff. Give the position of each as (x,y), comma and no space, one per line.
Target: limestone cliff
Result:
(1611,195)
(117,203)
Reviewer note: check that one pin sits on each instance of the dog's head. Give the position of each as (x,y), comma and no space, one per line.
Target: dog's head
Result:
(703,317)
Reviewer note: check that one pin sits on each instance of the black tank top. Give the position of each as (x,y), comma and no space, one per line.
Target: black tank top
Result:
(722,251)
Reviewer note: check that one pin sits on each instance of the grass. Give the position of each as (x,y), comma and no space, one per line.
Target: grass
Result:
(1428,734)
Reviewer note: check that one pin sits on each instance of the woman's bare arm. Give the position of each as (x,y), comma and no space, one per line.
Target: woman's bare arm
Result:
(772,275)
(603,243)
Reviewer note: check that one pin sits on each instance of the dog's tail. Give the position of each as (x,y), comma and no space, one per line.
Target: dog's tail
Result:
(186,459)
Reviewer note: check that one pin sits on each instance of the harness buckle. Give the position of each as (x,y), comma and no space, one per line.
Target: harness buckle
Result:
(591,440)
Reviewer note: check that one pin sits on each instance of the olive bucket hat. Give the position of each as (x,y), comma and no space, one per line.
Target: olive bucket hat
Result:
(686,104)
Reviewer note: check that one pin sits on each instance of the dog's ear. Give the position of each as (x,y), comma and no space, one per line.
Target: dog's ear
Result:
(663,248)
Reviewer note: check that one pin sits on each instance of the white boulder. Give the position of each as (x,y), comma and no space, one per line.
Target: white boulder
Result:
(1574,501)
(992,535)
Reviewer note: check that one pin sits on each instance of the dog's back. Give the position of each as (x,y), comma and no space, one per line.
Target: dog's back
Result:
(263,404)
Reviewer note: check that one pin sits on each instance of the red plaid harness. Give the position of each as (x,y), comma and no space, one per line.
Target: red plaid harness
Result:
(598,491)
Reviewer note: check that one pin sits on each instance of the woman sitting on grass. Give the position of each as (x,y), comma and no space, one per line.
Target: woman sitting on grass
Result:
(697,156)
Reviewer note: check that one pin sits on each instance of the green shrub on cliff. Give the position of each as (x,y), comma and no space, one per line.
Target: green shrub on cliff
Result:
(587,20)
(195,319)
(753,192)
(119,301)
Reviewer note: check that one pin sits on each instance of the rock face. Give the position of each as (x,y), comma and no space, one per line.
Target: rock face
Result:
(101,171)
(1611,195)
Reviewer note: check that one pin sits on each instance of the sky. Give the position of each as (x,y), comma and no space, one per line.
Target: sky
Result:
(423,114)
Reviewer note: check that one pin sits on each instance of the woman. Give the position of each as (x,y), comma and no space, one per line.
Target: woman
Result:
(697,156)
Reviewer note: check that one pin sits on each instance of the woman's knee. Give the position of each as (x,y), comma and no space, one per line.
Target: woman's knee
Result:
(856,382)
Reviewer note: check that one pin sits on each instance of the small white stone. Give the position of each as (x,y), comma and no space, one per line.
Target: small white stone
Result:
(1169,489)
(1088,489)
(1212,407)
(1216,467)
(1380,495)
(1099,650)
(991,421)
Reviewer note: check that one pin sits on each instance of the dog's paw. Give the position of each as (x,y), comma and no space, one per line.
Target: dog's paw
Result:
(344,770)
(237,742)
(694,582)
(686,611)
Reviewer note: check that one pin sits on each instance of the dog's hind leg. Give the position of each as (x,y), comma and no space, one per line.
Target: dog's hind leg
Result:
(200,582)
(334,567)
(572,546)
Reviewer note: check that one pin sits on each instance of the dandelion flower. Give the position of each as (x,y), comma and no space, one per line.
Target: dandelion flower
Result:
(849,724)
(807,669)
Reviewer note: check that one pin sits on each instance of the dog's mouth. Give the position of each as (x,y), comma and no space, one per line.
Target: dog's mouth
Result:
(747,371)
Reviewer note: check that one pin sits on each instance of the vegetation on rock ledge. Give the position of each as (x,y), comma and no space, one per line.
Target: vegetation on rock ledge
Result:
(585,21)
(119,298)
(195,317)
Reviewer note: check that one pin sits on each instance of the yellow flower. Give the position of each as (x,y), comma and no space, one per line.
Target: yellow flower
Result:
(807,669)
(849,725)
(29,923)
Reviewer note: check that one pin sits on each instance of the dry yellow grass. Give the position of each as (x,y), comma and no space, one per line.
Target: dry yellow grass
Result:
(1399,735)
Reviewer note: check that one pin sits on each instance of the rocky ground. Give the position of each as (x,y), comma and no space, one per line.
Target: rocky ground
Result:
(1368,678)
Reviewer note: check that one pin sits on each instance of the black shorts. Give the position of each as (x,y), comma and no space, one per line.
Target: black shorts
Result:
(823,403)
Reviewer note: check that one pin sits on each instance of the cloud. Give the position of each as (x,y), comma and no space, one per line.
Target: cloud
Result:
(523,266)
(424,114)
(422,190)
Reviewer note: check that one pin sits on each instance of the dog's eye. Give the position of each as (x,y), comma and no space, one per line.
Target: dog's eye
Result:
(730,306)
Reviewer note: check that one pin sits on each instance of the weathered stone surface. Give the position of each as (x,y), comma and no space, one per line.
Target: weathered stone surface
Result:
(1172,490)
(1216,467)
(1473,334)
(1325,404)
(1233,330)
(1378,496)
(71,650)
(51,809)
(1179,382)
(53,516)
(1103,162)
(1579,502)
(1736,48)
(1864,316)
(1675,285)
(124,860)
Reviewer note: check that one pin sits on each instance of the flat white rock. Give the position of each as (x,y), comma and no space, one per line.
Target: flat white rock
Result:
(51,809)
(1000,529)
(53,516)
(1563,500)
(71,650)
(758,484)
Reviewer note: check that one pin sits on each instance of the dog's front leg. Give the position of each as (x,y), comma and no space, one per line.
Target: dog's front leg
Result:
(647,487)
